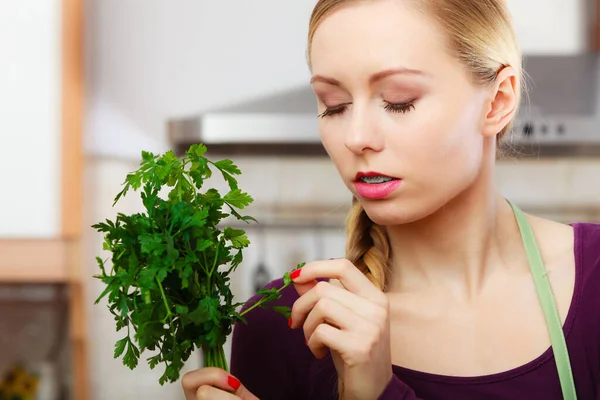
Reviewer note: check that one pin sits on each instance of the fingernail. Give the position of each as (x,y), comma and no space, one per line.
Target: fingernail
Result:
(295,273)
(233,382)
(290,322)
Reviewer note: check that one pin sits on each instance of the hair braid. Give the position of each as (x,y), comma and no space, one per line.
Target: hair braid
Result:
(367,246)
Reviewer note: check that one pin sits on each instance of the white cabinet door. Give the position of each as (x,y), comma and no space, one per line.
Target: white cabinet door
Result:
(550,26)
(30,107)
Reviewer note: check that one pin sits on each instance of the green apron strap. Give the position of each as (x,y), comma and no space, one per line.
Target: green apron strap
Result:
(546,297)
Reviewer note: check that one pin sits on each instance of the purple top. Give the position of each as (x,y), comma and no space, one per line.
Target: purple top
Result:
(273,362)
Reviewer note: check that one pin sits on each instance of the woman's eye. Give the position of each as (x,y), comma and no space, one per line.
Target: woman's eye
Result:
(336,110)
(399,107)
(390,107)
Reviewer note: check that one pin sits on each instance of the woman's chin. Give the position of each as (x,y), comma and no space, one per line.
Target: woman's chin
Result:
(389,212)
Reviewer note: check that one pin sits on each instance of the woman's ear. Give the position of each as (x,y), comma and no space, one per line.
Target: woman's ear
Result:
(503,102)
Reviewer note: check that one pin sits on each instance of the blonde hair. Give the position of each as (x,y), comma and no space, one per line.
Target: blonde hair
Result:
(481,37)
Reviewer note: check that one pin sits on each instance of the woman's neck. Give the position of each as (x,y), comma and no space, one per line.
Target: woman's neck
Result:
(457,249)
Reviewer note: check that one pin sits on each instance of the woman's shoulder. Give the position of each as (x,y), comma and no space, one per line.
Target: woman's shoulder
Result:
(588,233)
(571,254)
(569,245)
(585,311)
(587,252)
(586,302)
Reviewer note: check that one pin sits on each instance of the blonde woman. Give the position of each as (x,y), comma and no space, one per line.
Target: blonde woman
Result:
(447,291)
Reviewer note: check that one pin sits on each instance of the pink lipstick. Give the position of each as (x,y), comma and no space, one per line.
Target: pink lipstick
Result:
(375,185)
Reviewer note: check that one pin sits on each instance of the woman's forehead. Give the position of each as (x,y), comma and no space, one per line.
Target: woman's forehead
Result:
(368,37)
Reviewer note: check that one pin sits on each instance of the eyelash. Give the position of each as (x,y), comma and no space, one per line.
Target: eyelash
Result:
(390,107)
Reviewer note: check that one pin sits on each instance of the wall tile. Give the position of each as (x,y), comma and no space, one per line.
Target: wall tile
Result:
(312,181)
(584,182)
(550,183)
(538,182)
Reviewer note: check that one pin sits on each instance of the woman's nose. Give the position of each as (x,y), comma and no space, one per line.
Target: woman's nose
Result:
(362,134)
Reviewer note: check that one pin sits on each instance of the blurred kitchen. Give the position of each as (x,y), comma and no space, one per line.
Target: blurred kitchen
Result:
(85,86)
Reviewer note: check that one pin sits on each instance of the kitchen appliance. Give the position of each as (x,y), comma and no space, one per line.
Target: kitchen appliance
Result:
(560,116)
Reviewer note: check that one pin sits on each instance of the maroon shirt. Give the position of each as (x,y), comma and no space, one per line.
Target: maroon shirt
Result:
(273,362)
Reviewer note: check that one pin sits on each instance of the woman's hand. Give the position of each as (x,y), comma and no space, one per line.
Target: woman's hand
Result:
(213,384)
(350,316)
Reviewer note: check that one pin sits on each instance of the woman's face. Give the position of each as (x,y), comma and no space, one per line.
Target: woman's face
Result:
(393,101)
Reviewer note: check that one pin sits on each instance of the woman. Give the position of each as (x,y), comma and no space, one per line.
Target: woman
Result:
(436,299)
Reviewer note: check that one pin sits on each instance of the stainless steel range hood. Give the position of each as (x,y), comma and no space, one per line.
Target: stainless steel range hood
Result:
(560,116)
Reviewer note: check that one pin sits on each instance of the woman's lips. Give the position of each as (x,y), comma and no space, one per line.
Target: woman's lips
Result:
(376,190)
(360,174)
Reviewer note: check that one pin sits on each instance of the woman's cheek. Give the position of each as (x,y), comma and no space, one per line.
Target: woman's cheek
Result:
(332,138)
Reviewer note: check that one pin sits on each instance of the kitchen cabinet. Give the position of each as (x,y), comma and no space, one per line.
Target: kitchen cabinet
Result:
(551,26)
(41,162)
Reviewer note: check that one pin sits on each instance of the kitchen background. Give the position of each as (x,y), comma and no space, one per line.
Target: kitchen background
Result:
(87,85)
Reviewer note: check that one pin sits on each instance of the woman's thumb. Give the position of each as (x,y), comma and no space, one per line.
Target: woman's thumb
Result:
(243,393)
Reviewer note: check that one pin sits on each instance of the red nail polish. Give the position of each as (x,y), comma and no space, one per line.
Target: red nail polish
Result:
(295,274)
(290,322)
(233,382)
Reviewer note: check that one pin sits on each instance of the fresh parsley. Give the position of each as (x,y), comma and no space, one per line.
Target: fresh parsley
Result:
(168,286)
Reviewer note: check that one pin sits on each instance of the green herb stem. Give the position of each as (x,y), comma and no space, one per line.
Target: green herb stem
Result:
(214,266)
(260,302)
(215,357)
(223,359)
(252,307)
(164,297)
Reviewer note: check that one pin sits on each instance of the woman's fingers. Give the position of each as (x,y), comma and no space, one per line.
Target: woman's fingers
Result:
(205,382)
(302,288)
(330,312)
(244,393)
(327,337)
(354,347)
(325,291)
(319,342)
(216,377)
(344,271)
(207,392)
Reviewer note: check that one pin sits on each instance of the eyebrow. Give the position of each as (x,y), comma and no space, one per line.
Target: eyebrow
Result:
(373,78)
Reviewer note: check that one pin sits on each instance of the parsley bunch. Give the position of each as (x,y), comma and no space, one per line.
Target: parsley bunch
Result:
(171,265)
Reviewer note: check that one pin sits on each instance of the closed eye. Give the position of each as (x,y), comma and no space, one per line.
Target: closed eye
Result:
(335,110)
(389,107)
(399,107)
